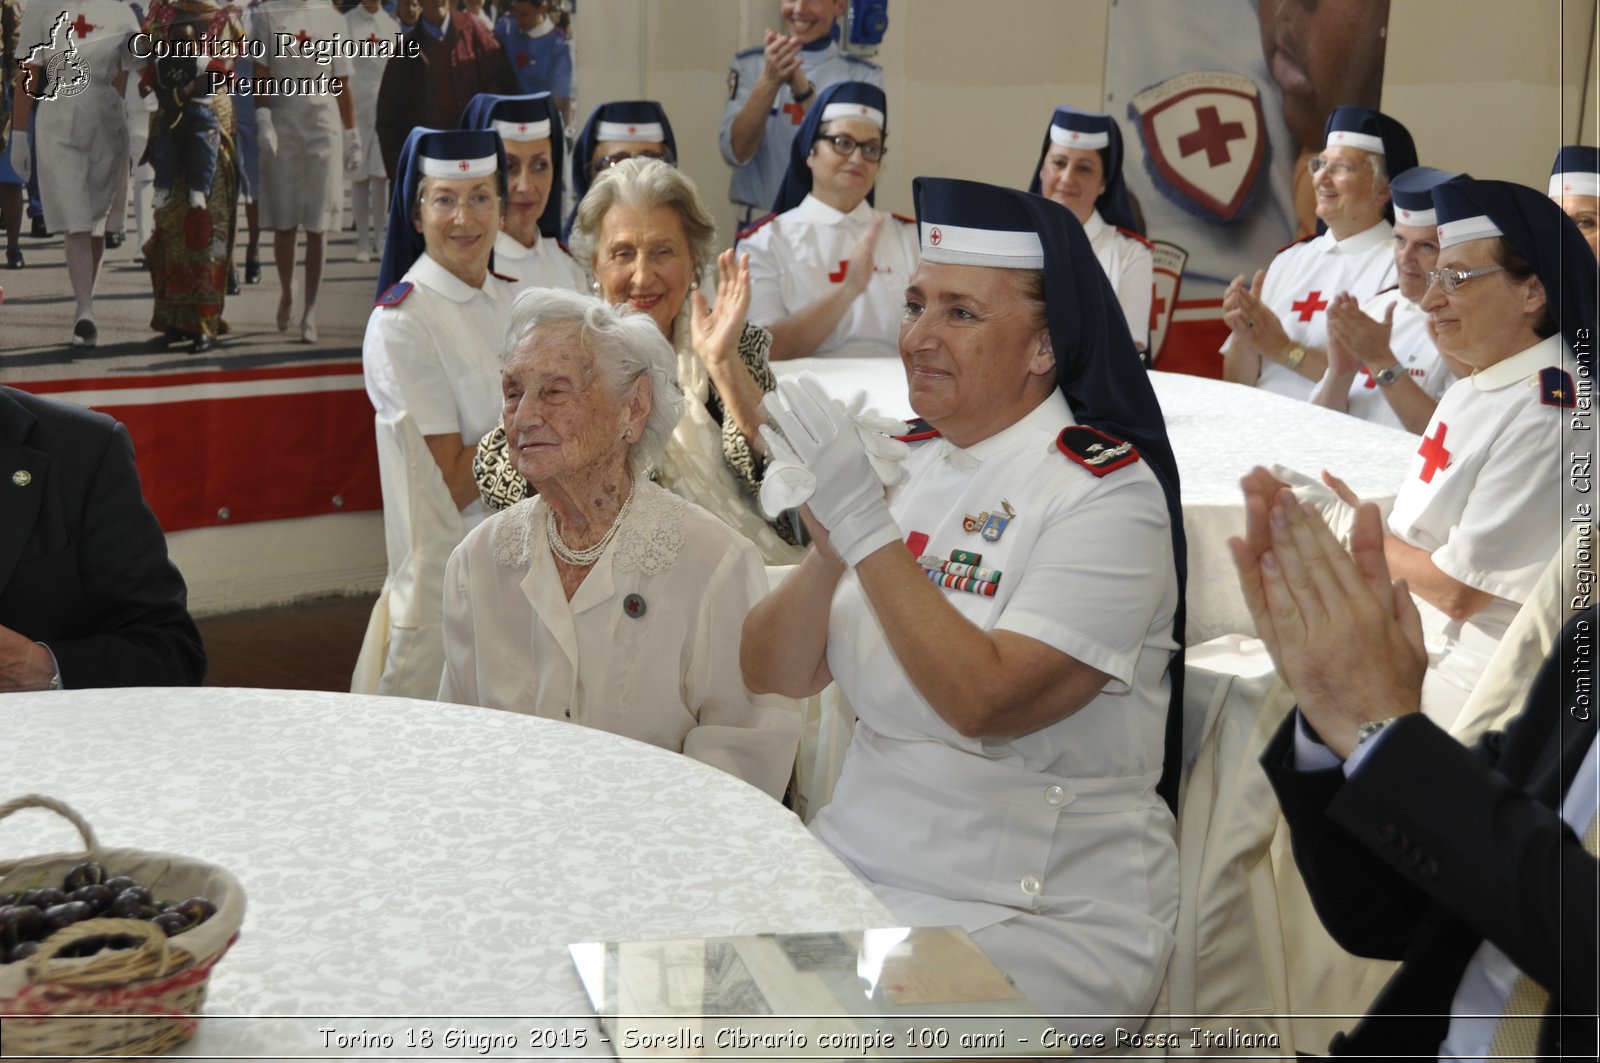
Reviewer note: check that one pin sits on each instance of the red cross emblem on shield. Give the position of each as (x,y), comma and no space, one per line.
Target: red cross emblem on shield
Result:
(1204,138)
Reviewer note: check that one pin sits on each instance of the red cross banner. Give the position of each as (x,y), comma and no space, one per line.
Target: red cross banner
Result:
(1220,104)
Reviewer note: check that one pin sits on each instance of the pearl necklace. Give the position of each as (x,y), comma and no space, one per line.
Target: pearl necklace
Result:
(586,557)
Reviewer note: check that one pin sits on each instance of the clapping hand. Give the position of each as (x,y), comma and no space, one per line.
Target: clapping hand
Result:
(1251,321)
(862,259)
(782,60)
(1345,639)
(1357,338)
(819,435)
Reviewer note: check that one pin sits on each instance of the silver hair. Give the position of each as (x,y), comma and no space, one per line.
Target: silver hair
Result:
(645,184)
(623,345)
(1380,170)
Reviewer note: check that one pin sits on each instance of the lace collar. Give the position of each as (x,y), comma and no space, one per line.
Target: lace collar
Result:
(649,540)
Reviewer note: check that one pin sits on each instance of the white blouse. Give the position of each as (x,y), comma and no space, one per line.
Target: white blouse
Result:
(648,647)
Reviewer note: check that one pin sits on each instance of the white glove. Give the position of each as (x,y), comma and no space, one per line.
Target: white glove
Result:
(21,154)
(266,132)
(847,496)
(352,151)
(1339,514)
(786,483)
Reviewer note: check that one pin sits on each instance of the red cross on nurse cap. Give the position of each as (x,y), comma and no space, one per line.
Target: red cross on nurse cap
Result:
(515,118)
(969,224)
(1576,171)
(457,153)
(1072,128)
(1373,131)
(1412,193)
(637,121)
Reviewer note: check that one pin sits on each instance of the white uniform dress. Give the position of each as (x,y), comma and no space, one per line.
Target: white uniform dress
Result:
(298,181)
(1301,284)
(646,648)
(80,136)
(1411,345)
(1130,268)
(1053,848)
(756,182)
(544,265)
(378,26)
(436,356)
(797,257)
(1484,497)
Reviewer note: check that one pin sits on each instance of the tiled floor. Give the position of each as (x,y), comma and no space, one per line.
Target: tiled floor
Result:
(311,646)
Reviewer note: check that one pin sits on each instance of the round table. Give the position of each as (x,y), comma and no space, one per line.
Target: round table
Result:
(404,858)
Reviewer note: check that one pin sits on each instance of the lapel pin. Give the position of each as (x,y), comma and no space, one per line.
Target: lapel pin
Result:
(22,477)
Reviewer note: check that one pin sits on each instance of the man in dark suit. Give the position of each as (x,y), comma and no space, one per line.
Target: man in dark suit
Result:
(1465,864)
(457,58)
(87,595)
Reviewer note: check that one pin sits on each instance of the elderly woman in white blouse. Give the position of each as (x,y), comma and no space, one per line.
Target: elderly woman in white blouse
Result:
(605,599)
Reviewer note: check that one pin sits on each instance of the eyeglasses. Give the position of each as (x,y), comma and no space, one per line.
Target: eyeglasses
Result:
(605,162)
(843,146)
(447,203)
(1335,168)
(1449,280)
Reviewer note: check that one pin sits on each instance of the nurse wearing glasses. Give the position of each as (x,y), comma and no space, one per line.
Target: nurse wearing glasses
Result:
(828,273)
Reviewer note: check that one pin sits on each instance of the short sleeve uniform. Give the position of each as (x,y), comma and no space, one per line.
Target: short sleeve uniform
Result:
(646,648)
(1484,495)
(1130,267)
(1059,832)
(299,180)
(797,257)
(81,135)
(366,75)
(1301,284)
(541,58)
(436,355)
(1412,347)
(756,181)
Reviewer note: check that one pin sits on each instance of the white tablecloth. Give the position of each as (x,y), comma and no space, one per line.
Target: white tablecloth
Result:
(404,858)
(1218,432)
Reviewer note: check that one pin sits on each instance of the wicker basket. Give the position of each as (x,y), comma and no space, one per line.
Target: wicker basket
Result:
(129,1002)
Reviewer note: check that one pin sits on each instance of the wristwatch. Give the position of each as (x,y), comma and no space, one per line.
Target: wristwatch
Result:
(1296,355)
(802,97)
(1367,731)
(1386,376)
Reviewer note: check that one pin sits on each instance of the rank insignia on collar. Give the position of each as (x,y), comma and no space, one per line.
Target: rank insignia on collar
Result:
(990,525)
(1555,387)
(394,295)
(1094,450)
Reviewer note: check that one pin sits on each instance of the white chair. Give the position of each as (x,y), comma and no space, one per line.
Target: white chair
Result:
(402,653)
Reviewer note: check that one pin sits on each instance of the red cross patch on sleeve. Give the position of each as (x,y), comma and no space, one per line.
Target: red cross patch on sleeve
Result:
(1094,450)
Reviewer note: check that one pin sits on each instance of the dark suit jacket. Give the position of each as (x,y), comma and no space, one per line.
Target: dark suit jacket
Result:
(1433,847)
(83,563)
(433,89)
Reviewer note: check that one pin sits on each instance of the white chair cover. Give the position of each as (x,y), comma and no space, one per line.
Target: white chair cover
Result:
(402,653)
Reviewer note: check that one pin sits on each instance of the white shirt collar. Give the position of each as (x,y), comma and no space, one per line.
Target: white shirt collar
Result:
(819,211)
(541,29)
(1361,242)
(1095,225)
(1049,417)
(1519,366)
(427,272)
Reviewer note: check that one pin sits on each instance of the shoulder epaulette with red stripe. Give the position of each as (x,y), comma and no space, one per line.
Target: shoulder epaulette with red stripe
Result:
(1391,288)
(1130,234)
(394,295)
(503,277)
(917,430)
(1294,243)
(902,217)
(1095,450)
(1555,387)
(750,229)
(563,245)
